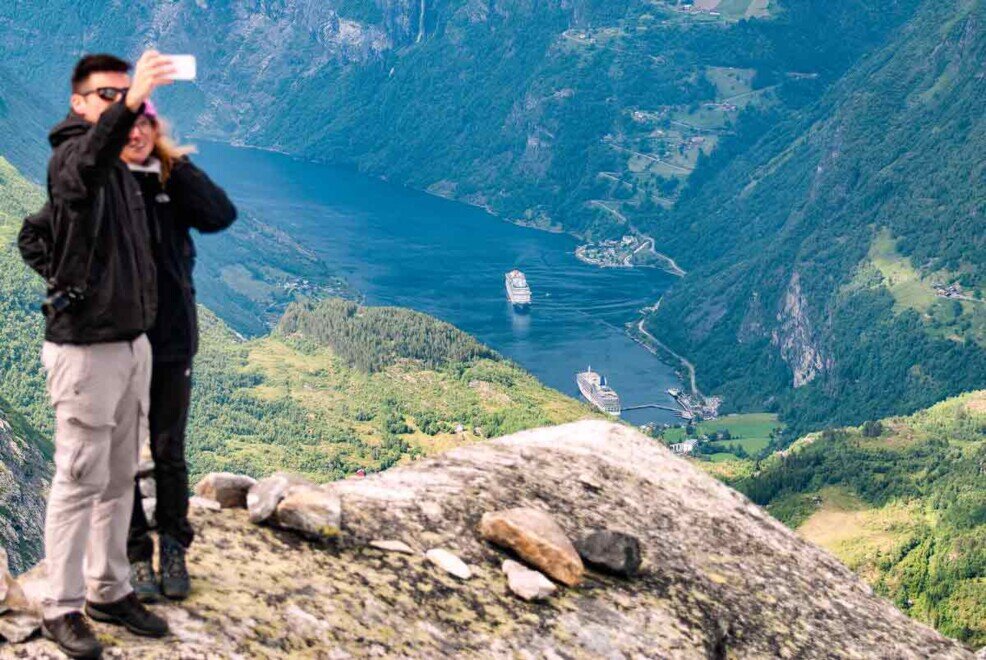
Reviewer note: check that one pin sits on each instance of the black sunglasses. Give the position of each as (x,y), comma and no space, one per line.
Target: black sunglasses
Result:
(107,93)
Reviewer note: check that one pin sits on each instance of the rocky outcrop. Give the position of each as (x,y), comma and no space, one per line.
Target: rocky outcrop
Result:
(720,578)
(795,337)
(24,476)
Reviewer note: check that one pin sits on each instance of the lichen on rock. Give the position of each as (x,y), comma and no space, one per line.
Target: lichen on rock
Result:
(720,577)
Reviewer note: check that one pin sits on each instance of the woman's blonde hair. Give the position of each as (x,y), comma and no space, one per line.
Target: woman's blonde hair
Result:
(166,149)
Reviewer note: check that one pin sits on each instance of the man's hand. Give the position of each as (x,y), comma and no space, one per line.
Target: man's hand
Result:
(153,70)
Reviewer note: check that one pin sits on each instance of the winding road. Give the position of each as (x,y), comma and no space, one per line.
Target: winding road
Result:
(642,328)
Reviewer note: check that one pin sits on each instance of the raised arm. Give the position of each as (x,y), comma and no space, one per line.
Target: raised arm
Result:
(81,164)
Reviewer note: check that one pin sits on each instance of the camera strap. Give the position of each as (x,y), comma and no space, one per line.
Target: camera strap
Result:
(100,208)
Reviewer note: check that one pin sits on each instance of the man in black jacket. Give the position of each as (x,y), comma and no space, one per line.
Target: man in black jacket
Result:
(178,197)
(102,299)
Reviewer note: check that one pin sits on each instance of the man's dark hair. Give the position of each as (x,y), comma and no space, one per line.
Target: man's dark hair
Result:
(99,63)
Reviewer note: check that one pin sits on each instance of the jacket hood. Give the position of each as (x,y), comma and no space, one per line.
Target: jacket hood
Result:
(69,127)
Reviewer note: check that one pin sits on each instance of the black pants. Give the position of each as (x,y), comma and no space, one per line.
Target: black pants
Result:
(171,390)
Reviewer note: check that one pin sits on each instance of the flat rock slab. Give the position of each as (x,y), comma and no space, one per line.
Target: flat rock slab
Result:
(525,583)
(393,546)
(538,539)
(230,490)
(18,627)
(611,552)
(311,511)
(264,496)
(449,562)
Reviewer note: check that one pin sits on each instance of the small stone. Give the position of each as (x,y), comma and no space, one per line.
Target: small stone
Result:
(311,511)
(205,503)
(145,465)
(18,627)
(393,546)
(590,482)
(230,490)
(449,562)
(148,488)
(528,584)
(264,496)
(611,552)
(150,509)
(537,539)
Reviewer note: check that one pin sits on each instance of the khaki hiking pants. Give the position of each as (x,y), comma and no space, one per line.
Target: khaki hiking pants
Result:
(100,393)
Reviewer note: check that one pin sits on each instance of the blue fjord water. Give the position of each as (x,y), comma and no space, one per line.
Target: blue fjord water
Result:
(406,248)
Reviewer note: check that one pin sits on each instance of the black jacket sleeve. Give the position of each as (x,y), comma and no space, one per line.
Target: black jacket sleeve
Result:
(34,241)
(199,202)
(81,164)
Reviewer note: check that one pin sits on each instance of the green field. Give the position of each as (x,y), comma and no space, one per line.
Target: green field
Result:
(899,276)
(751,431)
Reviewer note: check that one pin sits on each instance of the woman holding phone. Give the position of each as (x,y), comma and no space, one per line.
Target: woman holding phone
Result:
(178,197)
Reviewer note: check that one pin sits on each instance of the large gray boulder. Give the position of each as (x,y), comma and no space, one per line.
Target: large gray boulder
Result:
(230,490)
(310,511)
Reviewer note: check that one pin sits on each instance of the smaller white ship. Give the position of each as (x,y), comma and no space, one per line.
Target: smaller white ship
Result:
(594,388)
(518,292)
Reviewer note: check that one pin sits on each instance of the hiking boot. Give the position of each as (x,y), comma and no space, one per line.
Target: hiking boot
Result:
(73,635)
(144,582)
(175,583)
(129,613)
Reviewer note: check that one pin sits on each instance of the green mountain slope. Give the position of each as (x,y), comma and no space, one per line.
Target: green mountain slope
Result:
(589,115)
(814,257)
(340,387)
(902,502)
(24,452)
(25,470)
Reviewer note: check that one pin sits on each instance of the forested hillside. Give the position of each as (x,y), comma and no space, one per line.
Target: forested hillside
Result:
(902,502)
(819,260)
(340,387)
(25,453)
(813,209)
(589,115)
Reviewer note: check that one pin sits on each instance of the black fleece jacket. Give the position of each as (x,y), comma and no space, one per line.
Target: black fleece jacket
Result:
(99,240)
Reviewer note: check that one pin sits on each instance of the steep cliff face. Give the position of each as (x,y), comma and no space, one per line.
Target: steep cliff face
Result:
(24,476)
(720,578)
(795,338)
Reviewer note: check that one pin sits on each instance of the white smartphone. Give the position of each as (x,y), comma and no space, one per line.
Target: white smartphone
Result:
(185,68)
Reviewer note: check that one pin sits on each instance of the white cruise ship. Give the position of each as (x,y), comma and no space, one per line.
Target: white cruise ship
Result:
(594,388)
(517,290)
